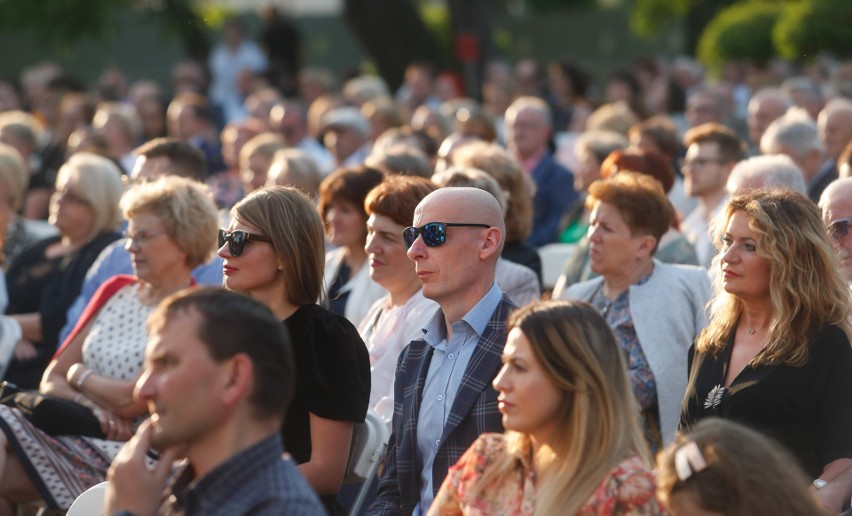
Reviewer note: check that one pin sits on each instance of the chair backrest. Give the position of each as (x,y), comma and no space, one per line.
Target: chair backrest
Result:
(90,502)
(369,440)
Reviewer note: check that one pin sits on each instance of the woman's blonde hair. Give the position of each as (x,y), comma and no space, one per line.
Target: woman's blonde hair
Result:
(291,220)
(744,473)
(13,175)
(516,184)
(806,287)
(599,418)
(99,184)
(186,210)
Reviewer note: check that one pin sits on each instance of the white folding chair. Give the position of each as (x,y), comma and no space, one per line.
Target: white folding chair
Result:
(369,442)
(90,503)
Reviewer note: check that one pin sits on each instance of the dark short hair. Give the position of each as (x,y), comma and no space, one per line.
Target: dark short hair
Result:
(647,162)
(731,146)
(185,160)
(233,323)
(350,184)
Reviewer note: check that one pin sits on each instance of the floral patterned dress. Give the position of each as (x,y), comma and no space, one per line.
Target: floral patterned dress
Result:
(627,488)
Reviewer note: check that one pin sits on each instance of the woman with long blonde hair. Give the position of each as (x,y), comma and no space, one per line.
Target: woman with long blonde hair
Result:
(573,443)
(776,354)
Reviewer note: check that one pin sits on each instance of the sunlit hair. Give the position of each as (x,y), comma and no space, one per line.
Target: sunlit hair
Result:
(735,480)
(598,417)
(291,220)
(642,161)
(731,147)
(294,167)
(806,287)
(13,176)
(402,159)
(471,178)
(264,144)
(639,199)
(516,184)
(98,182)
(185,209)
(397,196)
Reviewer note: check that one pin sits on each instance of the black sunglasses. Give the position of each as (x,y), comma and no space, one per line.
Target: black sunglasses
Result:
(839,228)
(434,233)
(237,240)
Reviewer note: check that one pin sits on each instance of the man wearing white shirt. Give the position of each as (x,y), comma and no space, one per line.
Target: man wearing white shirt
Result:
(712,151)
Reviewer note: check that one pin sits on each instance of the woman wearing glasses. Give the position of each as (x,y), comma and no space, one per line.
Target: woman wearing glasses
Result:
(655,310)
(573,444)
(45,279)
(776,354)
(347,276)
(273,251)
(172,223)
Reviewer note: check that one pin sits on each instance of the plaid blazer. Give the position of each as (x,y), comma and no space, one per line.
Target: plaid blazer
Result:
(474,412)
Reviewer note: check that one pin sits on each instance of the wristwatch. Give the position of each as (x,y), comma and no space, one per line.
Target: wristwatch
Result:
(820,483)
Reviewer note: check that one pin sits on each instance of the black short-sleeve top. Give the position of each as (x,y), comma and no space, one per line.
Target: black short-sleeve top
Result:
(807,409)
(332,375)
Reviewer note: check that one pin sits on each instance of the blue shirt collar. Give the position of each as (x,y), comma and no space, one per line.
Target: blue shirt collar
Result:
(477,318)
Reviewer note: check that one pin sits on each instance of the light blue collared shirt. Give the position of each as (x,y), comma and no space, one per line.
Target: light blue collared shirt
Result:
(449,361)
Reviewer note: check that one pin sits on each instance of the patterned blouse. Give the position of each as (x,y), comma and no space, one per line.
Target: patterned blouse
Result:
(627,489)
(618,318)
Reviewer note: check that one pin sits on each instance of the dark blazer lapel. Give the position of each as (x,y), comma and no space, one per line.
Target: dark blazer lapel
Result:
(420,354)
(482,368)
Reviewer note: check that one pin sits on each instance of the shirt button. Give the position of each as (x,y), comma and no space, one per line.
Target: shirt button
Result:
(451,356)
(437,441)
(440,397)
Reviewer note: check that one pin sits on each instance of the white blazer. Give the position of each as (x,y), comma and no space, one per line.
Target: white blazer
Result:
(668,312)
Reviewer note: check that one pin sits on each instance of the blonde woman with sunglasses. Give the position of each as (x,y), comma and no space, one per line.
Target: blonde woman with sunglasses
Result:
(273,251)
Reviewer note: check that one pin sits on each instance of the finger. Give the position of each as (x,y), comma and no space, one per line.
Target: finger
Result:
(141,441)
(112,430)
(125,431)
(164,464)
(104,419)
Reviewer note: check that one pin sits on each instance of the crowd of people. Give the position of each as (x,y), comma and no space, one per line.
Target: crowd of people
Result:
(213,284)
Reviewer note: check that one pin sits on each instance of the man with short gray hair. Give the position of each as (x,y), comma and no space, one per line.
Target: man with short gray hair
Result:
(795,135)
(528,132)
(769,172)
(836,207)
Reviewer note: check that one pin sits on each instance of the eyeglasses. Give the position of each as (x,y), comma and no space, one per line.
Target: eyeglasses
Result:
(839,228)
(434,233)
(699,162)
(140,237)
(237,240)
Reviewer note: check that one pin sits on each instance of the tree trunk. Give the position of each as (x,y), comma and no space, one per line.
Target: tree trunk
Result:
(392,32)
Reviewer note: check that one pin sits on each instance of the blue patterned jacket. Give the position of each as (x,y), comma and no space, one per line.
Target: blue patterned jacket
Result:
(473,413)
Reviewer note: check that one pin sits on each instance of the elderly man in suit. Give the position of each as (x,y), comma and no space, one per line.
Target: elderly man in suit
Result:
(443,394)
(528,133)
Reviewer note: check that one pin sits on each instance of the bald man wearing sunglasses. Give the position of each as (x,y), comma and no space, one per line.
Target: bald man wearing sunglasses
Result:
(836,206)
(443,393)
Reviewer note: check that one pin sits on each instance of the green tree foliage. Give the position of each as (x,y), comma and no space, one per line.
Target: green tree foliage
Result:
(65,23)
(651,17)
(810,27)
(740,32)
